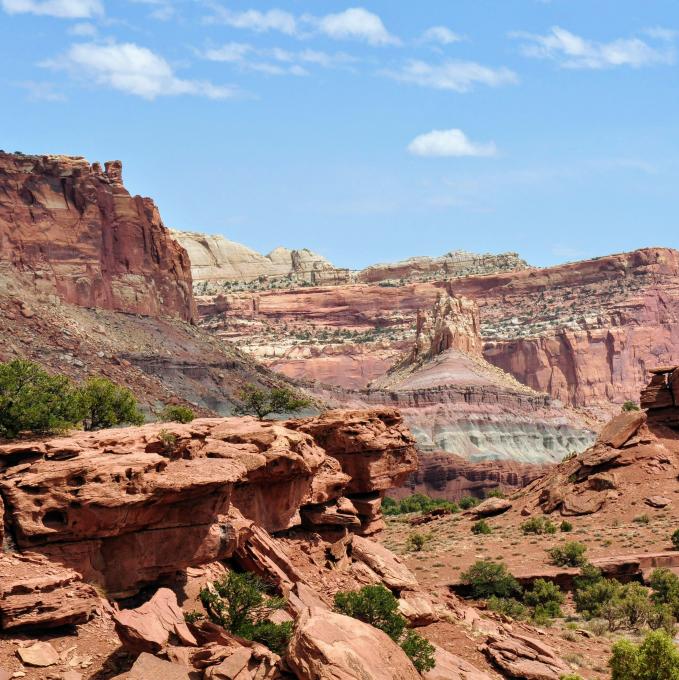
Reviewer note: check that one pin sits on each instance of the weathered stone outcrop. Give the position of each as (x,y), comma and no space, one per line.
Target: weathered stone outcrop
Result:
(159,498)
(75,230)
(329,646)
(216,260)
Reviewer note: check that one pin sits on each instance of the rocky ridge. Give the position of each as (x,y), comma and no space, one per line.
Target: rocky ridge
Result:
(134,511)
(75,232)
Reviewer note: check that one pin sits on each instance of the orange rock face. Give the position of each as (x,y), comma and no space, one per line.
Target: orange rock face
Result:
(585,332)
(80,235)
(126,507)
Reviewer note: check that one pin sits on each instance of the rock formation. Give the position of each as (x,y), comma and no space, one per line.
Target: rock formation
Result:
(455,264)
(77,233)
(584,332)
(159,498)
(216,261)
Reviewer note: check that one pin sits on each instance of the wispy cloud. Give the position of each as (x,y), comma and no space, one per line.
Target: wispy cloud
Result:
(458,76)
(355,23)
(441,35)
(274,61)
(42,91)
(132,69)
(84,30)
(162,10)
(63,9)
(572,51)
(449,143)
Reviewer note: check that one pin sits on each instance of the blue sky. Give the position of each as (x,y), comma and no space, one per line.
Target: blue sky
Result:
(367,132)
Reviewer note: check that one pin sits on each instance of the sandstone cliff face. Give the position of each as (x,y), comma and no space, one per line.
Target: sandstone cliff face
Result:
(216,261)
(75,230)
(454,264)
(583,332)
(125,508)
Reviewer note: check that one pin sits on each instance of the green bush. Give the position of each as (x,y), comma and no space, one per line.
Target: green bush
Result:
(261,403)
(591,598)
(176,414)
(494,493)
(105,404)
(565,526)
(656,658)
(538,525)
(630,406)
(675,539)
(481,527)
(32,400)
(571,676)
(509,606)
(468,502)
(377,606)
(241,603)
(544,593)
(417,540)
(486,578)
(418,502)
(571,554)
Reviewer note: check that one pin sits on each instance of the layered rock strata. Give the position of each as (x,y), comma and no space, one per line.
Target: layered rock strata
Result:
(76,232)
(157,499)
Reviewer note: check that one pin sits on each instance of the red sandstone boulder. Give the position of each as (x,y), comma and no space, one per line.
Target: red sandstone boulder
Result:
(389,567)
(491,507)
(329,646)
(40,654)
(451,667)
(150,627)
(622,428)
(149,667)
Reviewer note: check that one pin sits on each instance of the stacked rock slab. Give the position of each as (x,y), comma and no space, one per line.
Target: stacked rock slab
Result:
(125,508)
(661,396)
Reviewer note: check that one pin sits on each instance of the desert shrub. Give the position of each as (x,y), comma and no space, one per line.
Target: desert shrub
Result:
(630,406)
(261,402)
(486,578)
(544,593)
(494,493)
(538,525)
(642,519)
(634,605)
(565,526)
(106,404)
(675,539)
(35,401)
(176,414)
(571,554)
(467,502)
(661,617)
(168,441)
(417,540)
(591,598)
(481,527)
(241,604)
(665,587)
(509,606)
(418,502)
(377,606)
(571,676)
(419,650)
(656,658)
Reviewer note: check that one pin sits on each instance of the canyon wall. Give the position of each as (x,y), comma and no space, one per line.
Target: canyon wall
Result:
(75,232)
(585,332)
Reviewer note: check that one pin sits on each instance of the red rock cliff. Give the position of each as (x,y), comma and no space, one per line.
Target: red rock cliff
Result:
(76,229)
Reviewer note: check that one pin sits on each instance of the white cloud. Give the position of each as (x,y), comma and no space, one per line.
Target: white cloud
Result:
(441,35)
(41,91)
(83,29)
(63,9)
(453,142)
(274,61)
(356,23)
(458,76)
(134,70)
(661,33)
(163,10)
(572,51)
(254,20)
